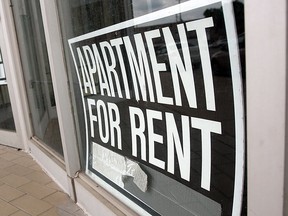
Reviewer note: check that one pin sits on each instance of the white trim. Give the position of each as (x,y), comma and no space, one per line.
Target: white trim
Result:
(267,103)
(60,85)
(51,166)
(10,138)
(3,82)
(15,79)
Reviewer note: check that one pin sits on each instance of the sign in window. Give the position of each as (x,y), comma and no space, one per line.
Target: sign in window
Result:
(164,109)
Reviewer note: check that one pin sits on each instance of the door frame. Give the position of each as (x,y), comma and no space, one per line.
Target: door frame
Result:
(7,137)
(16,89)
(35,89)
(54,167)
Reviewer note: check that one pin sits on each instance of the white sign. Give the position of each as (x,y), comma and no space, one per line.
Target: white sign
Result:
(130,111)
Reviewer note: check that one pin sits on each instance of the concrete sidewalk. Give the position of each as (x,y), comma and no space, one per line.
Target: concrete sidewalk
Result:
(25,190)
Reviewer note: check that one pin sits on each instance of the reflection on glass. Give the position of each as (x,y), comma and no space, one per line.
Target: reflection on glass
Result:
(6,115)
(167,193)
(34,57)
(2,72)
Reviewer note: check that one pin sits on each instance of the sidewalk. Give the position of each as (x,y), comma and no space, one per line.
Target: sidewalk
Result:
(25,190)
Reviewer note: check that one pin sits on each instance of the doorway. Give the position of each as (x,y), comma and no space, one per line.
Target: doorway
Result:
(8,115)
(37,75)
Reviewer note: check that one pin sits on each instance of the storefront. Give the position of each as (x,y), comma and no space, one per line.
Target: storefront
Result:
(132,107)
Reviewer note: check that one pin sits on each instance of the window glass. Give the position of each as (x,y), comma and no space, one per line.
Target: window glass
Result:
(158,90)
(6,115)
(35,64)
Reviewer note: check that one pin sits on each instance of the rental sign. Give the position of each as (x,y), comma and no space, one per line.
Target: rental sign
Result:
(147,98)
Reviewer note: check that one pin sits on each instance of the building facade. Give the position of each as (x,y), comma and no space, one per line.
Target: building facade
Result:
(150,107)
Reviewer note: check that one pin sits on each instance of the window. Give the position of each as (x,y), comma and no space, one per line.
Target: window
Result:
(35,63)
(159,112)
(6,115)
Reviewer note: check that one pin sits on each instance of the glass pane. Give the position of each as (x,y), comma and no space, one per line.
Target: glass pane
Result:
(158,87)
(6,115)
(35,63)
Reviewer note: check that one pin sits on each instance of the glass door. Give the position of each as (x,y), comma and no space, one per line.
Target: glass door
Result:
(37,75)
(8,116)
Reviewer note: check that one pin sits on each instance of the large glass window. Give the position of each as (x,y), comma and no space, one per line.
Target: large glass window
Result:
(157,86)
(35,64)
(6,115)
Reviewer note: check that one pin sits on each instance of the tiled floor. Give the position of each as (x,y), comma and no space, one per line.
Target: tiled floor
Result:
(25,190)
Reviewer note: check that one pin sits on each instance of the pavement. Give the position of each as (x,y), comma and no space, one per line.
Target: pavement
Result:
(26,190)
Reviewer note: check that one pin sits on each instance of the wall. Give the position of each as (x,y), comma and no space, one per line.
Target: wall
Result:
(266,104)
